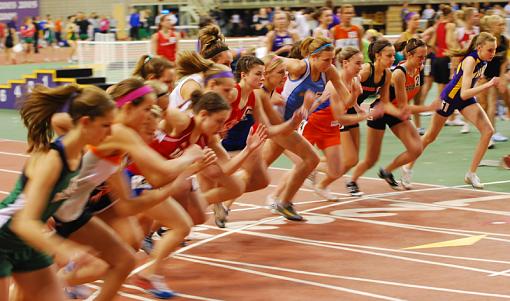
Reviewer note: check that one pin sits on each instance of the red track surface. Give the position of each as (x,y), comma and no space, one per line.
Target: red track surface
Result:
(352,249)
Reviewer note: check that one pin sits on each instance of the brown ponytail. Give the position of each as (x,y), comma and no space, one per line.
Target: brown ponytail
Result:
(189,62)
(149,65)
(39,106)
(312,46)
(410,45)
(478,40)
(212,42)
(376,47)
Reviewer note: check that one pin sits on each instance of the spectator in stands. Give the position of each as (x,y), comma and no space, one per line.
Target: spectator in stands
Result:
(260,22)
(165,41)
(58,31)
(403,13)
(134,22)
(235,22)
(507,9)
(370,36)
(49,37)
(280,39)
(28,31)
(325,16)
(38,29)
(83,26)
(428,13)
(205,20)
(336,17)
(94,24)
(11,39)
(104,24)
(302,28)
(71,31)
(347,34)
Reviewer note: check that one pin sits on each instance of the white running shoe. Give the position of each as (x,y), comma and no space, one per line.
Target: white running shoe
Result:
(472,178)
(465,129)
(406,177)
(310,180)
(456,122)
(499,138)
(272,203)
(325,193)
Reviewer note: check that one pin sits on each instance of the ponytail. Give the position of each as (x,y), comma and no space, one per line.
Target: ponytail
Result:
(376,47)
(39,106)
(409,46)
(212,42)
(189,62)
(478,40)
(342,54)
(312,46)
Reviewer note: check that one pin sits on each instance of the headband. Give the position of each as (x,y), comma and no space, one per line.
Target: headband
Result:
(409,16)
(67,105)
(224,74)
(322,48)
(216,51)
(144,90)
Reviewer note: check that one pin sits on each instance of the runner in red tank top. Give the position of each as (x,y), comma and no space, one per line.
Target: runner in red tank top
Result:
(165,41)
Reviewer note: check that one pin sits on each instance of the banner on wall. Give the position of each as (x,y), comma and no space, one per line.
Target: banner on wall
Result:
(18,8)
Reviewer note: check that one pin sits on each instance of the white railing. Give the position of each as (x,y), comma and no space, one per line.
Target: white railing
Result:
(115,60)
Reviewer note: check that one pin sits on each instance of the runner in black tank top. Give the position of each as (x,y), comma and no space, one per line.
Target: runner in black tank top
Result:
(370,92)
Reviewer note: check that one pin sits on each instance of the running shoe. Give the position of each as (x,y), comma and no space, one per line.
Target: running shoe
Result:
(465,129)
(325,193)
(220,215)
(287,210)
(77,292)
(388,177)
(353,189)
(499,138)
(456,122)
(310,180)
(406,178)
(472,178)
(271,203)
(155,285)
(491,145)
(421,131)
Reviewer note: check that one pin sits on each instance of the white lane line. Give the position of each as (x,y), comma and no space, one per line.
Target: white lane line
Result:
(199,243)
(10,171)
(14,154)
(399,284)
(136,288)
(412,227)
(329,246)
(291,279)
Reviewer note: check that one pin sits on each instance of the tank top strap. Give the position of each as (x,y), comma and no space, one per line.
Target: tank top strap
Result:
(59,147)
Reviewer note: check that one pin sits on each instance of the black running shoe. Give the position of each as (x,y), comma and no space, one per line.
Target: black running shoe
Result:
(287,211)
(388,177)
(353,189)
